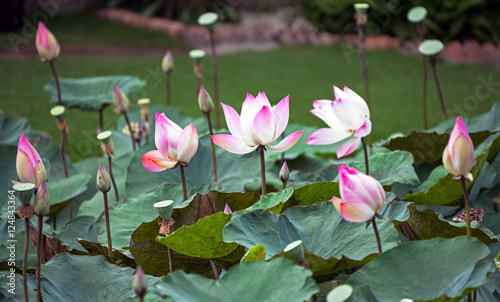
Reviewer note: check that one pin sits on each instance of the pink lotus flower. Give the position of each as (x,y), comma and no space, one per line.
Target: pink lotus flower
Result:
(458,156)
(361,195)
(120,100)
(259,125)
(347,116)
(46,44)
(174,144)
(29,165)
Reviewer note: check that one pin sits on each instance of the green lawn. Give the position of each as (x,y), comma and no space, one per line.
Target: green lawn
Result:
(304,72)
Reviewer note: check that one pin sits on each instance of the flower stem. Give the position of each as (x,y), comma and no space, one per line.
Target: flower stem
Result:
(379,243)
(360,27)
(214,76)
(198,84)
(214,159)
(261,149)
(432,61)
(130,130)
(367,166)
(284,184)
(108,228)
(39,259)
(63,139)
(25,256)
(113,178)
(56,79)
(99,130)
(424,91)
(467,206)
(170,260)
(214,269)
(184,186)
(167,77)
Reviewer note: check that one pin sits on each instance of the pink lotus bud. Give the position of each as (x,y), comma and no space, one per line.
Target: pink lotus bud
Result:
(284,173)
(46,44)
(29,165)
(103,181)
(140,284)
(121,101)
(458,156)
(227,209)
(167,65)
(205,101)
(42,201)
(361,195)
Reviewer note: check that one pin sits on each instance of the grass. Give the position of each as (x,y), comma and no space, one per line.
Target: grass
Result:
(305,72)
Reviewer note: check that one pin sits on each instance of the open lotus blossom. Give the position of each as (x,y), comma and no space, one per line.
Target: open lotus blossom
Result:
(258,125)
(29,165)
(458,156)
(361,195)
(347,116)
(46,44)
(175,145)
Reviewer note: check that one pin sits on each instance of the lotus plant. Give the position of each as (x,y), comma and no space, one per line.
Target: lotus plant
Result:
(48,50)
(41,208)
(175,147)
(361,197)
(104,185)
(258,126)
(206,106)
(458,160)
(284,173)
(29,165)
(347,116)
(167,66)
(140,284)
(121,102)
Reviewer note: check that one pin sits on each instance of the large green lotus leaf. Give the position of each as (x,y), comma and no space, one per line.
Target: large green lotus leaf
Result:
(201,240)
(428,147)
(95,248)
(273,202)
(428,224)
(126,217)
(428,270)
(8,155)
(69,277)
(316,192)
(234,170)
(11,129)
(152,256)
(332,243)
(441,189)
(63,190)
(82,227)
(277,280)
(92,93)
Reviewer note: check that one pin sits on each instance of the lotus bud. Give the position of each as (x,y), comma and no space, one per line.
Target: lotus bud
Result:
(167,65)
(284,172)
(29,165)
(103,181)
(42,201)
(227,209)
(140,285)
(46,44)
(121,101)
(205,101)
(458,156)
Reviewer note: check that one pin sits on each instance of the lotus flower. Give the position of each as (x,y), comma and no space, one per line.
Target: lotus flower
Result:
(42,201)
(175,145)
(347,116)
(29,165)
(205,101)
(103,181)
(167,64)
(120,100)
(46,44)
(259,125)
(458,156)
(361,195)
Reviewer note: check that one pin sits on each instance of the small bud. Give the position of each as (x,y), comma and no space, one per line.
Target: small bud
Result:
(205,101)
(227,209)
(46,44)
(167,65)
(103,182)
(42,201)
(284,173)
(120,100)
(140,285)
(458,156)
(29,165)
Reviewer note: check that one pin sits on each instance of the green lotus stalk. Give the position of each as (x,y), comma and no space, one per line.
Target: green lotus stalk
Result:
(24,192)
(104,185)
(214,269)
(367,166)
(432,62)
(377,235)
(41,208)
(261,150)
(467,206)
(184,186)
(167,66)
(197,55)
(107,148)
(58,113)
(206,106)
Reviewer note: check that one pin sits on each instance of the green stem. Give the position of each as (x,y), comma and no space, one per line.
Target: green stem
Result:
(365,74)
(432,61)
(198,84)
(130,130)
(170,260)
(184,186)
(112,178)
(108,228)
(216,85)
(467,206)
(214,159)
(367,166)
(39,259)
(168,87)
(379,243)
(424,91)
(261,149)
(214,269)
(25,256)
(284,184)
(56,79)
(63,138)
